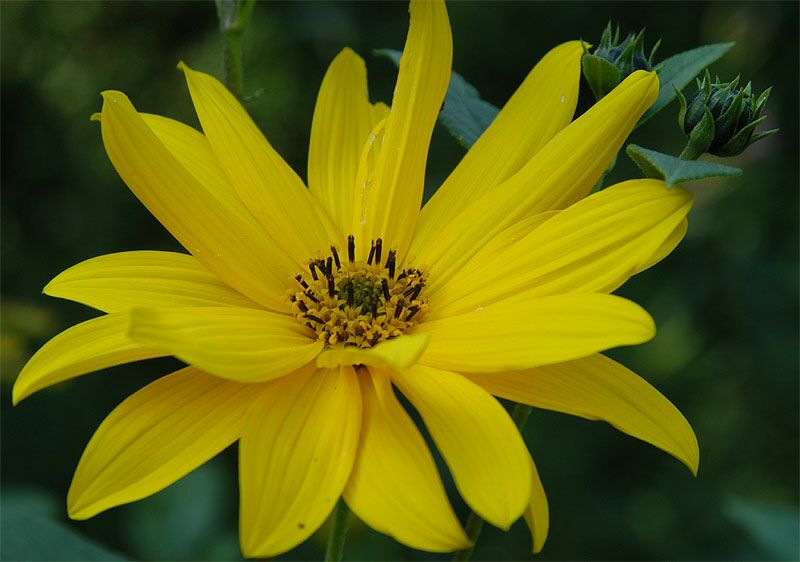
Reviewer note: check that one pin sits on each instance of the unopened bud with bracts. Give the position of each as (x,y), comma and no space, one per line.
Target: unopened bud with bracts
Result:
(614,60)
(720,118)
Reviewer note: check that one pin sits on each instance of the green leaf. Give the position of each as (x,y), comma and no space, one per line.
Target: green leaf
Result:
(674,170)
(772,527)
(464,113)
(678,70)
(182,521)
(28,535)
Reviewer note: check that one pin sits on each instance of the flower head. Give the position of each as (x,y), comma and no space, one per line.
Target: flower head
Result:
(299,310)
(721,118)
(614,60)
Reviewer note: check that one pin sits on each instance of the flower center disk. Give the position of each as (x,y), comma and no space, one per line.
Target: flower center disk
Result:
(359,303)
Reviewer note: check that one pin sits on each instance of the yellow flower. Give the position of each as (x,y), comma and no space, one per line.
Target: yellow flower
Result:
(298,310)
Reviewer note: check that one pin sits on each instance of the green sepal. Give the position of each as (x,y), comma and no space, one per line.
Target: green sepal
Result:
(675,170)
(682,111)
(725,125)
(464,113)
(700,138)
(762,135)
(601,75)
(678,70)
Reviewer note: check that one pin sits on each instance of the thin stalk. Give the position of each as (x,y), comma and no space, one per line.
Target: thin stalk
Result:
(474,522)
(234,16)
(338,534)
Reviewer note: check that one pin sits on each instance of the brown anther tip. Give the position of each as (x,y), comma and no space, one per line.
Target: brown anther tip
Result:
(351,248)
(336,257)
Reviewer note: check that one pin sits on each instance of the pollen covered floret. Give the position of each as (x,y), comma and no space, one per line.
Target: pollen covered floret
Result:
(359,302)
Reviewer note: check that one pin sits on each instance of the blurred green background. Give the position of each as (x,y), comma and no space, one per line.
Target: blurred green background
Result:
(726,302)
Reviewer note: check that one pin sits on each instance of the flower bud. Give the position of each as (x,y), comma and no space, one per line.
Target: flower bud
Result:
(613,60)
(720,118)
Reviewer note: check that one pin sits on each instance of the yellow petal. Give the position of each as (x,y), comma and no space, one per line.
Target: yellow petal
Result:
(156,436)
(210,223)
(119,282)
(342,122)
(397,353)
(560,174)
(537,514)
(520,335)
(241,344)
(93,345)
(191,149)
(594,246)
(666,247)
(542,105)
(598,388)
(269,188)
(395,487)
(379,112)
(295,457)
(389,208)
(477,439)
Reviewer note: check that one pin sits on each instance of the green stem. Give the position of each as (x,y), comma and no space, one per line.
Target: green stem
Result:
(234,16)
(474,522)
(338,534)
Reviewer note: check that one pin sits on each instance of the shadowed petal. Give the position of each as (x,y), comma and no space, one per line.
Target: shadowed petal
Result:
(477,439)
(295,457)
(395,487)
(156,436)
(598,388)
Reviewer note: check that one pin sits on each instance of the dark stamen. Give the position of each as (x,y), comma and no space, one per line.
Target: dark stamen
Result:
(310,294)
(302,306)
(321,265)
(378,250)
(385,287)
(299,279)
(313,269)
(331,287)
(315,318)
(329,267)
(390,263)
(371,253)
(411,312)
(397,310)
(416,291)
(336,257)
(402,275)
(351,248)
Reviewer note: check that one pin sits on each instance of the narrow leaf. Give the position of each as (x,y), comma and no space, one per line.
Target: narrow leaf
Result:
(674,170)
(678,70)
(32,536)
(464,114)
